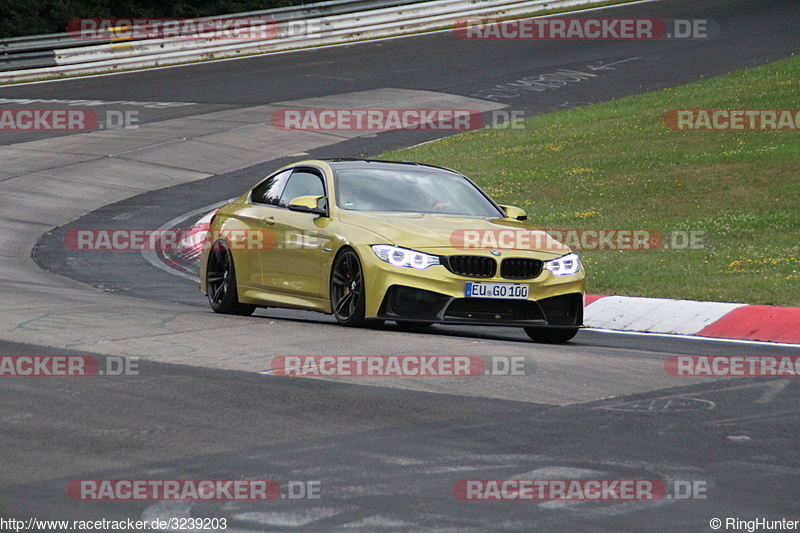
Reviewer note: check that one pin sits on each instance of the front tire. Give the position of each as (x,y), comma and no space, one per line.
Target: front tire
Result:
(221,282)
(551,335)
(348,298)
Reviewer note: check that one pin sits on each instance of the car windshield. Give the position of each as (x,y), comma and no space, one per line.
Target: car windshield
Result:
(411,190)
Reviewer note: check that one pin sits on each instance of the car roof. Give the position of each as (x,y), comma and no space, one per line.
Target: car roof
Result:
(342,163)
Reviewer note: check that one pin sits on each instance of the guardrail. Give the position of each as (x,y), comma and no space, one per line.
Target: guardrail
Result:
(36,51)
(292,28)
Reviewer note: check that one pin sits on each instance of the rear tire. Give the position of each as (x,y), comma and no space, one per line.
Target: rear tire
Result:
(551,335)
(221,282)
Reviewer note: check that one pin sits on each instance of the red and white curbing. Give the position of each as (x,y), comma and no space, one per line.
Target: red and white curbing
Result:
(686,317)
(650,315)
(193,240)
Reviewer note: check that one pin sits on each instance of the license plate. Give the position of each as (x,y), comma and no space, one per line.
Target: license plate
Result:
(502,291)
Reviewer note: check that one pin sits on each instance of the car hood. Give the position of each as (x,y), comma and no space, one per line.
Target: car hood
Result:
(425,231)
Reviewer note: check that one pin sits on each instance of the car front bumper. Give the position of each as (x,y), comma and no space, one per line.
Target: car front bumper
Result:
(411,304)
(437,295)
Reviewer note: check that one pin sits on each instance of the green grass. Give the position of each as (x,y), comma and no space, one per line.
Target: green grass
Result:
(616,165)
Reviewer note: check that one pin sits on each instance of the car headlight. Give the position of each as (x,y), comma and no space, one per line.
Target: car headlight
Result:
(402,257)
(569,264)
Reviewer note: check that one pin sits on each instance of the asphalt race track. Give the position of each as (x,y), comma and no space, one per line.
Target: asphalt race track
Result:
(385,453)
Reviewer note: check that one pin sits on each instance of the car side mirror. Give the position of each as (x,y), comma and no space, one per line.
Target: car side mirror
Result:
(309,204)
(514,212)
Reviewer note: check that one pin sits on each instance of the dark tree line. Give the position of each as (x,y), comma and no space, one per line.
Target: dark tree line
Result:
(36,17)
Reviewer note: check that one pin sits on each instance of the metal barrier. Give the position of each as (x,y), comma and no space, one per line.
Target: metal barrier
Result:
(36,51)
(296,27)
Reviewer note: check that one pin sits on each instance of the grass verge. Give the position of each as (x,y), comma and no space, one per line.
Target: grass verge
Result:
(616,165)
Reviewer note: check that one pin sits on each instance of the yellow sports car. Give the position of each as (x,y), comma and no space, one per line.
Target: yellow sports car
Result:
(370,241)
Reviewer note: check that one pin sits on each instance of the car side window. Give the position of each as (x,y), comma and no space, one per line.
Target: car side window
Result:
(269,191)
(303,182)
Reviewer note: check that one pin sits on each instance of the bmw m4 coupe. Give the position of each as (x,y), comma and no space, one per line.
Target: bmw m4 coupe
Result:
(370,241)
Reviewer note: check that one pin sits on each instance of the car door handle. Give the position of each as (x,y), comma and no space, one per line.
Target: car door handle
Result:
(269,221)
